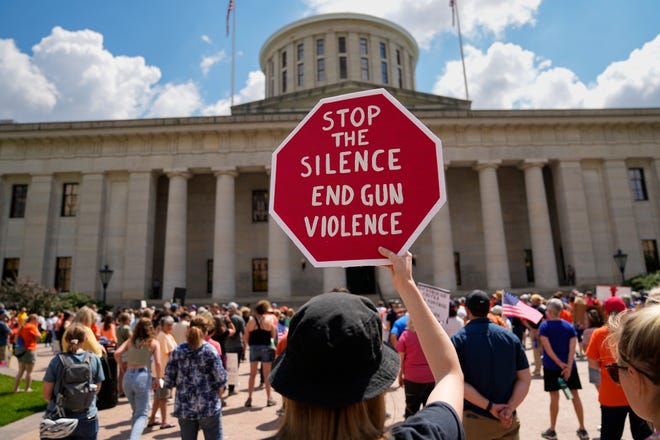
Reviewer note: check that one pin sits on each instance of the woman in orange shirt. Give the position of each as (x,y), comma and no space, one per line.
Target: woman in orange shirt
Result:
(30,335)
(108,328)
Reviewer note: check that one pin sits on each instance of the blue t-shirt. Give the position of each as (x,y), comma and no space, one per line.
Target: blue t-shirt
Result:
(399,326)
(4,333)
(559,333)
(490,358)
(56,369)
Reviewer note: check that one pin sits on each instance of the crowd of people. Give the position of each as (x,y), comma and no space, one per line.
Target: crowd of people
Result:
(191,354)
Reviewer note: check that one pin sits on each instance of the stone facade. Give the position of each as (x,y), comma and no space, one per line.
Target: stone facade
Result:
(178,202)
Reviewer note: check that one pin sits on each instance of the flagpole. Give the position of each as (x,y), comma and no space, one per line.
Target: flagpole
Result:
(460,42)
(233,51)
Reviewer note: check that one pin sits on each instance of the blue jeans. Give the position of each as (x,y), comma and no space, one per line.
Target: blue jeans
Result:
(137,387)
(210,426)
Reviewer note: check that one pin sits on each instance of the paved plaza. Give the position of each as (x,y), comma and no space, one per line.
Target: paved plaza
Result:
(259,422)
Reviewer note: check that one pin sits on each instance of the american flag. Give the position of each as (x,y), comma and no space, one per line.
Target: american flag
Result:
(229,9)
(512,306)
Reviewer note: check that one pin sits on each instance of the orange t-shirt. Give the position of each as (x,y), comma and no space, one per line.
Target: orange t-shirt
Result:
(30,335)
(109,334)
(609,393)
(566,316)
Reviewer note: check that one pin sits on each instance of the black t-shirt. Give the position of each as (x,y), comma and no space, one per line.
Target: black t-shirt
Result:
(437,421)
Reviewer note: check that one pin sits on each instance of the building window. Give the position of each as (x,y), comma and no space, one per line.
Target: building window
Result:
(320,69)
(271,75)
(383,51)
(457,268)
(343,68)
(283,59)
(398,57)
(364,69)
(300,52)
(260,274)
(18,200)
(529,265)
(69,200)
(341,44)
(209,276)
(650,249)
(637,183)
(63,274)
(10,269)
(383,72)
(259,206)
(284,81)
(300,75)
(364,48)
(320,47)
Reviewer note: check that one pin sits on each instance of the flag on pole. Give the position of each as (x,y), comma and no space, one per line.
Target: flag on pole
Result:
(229,9)
(513,306)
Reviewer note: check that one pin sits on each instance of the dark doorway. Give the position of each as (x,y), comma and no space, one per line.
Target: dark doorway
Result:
(361,280)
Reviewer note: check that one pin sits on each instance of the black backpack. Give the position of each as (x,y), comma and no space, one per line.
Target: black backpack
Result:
(75,390)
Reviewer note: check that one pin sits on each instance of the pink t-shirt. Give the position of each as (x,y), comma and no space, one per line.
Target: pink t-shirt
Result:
(415,366)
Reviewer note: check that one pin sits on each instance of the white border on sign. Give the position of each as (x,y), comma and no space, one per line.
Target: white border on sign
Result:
(423,223)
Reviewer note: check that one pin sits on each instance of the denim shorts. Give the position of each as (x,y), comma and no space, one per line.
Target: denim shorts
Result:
(262,353)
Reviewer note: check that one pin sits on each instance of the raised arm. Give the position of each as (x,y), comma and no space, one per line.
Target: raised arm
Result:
(437,346)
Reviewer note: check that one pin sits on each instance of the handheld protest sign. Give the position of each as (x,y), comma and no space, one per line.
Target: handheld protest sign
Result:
(358,172)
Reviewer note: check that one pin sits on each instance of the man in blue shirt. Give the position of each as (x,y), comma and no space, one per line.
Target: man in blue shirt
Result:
(496,372)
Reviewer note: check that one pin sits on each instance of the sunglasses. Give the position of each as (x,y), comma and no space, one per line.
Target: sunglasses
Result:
(613,371)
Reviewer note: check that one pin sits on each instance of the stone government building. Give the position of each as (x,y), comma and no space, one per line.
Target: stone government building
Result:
(182,202)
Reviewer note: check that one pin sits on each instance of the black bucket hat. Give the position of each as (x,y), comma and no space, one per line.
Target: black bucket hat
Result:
(335,355)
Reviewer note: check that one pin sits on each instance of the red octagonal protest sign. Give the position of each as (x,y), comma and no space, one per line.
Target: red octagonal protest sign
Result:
(360,171)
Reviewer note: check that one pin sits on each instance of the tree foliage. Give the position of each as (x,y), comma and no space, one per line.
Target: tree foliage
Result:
(645,282)
(37,298)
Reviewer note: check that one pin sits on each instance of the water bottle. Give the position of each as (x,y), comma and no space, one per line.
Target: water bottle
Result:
(564,387)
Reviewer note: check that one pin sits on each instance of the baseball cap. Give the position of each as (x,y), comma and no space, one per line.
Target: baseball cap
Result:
(614,304)
(232,306)
(478,302)
(335,355)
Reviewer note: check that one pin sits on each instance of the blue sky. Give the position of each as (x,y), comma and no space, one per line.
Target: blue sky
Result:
(92,59)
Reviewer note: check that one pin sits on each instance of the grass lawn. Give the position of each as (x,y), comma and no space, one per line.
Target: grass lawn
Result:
(15,406)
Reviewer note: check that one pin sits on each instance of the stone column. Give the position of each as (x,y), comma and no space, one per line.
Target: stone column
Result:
(333,277)
(444,274)
(573,213)
(87,262)
(622,214)
(497,263)
(279,261)
(224,236)
(174,268)
(543,252)
(140,224)
(39,212)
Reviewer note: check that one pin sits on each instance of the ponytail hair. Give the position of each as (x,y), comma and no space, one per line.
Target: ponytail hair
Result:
(197,331)
(75,337)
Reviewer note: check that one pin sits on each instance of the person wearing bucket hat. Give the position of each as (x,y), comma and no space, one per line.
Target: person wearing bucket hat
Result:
(335,370)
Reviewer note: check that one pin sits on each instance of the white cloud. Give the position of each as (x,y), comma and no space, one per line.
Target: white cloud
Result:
(425,19)
(211,60)
(25,90)
(254,90)
(507,76)
(176,100)
(206,39)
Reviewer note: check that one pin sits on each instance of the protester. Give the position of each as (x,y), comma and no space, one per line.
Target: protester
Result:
(88,423)
(260,335)
(496,371)
(234,343)
(559,340)
(335,369)
(29,335)
(140,349)
(453,323)
(415,375)
(108,330)
(87,317)
(161,393)
(593,320)
(636,340)
(5,332)
(614,405)
(537,348)
(123,334)
(195,369)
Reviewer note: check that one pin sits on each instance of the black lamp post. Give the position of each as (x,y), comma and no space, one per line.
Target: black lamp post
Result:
(106,274)
(620,260)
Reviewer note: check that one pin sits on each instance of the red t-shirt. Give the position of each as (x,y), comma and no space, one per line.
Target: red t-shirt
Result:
(609,393)
(415,366)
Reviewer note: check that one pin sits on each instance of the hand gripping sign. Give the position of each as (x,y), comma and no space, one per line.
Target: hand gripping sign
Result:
(360,171)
